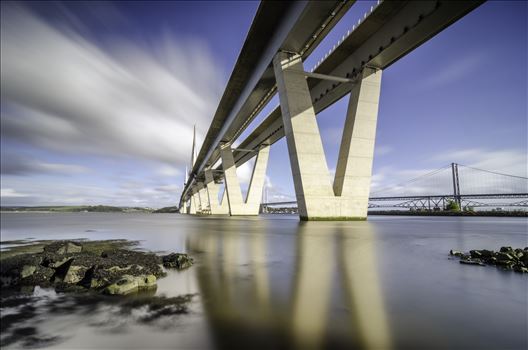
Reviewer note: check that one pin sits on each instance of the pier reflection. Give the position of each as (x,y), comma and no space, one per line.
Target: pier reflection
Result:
(331,275)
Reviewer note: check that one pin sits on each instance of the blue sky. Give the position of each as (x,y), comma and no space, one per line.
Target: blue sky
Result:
(99,99)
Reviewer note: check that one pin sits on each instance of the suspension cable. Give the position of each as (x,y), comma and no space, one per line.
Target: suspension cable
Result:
(494,172)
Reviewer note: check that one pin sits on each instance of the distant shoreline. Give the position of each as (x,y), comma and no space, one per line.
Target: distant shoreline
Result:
(84,209)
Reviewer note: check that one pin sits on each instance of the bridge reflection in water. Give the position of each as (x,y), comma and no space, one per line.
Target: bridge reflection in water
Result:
(327,295)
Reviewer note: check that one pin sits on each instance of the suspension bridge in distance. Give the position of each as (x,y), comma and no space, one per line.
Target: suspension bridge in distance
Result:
(466,186)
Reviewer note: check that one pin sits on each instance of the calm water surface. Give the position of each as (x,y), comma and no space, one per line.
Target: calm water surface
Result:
(274,282)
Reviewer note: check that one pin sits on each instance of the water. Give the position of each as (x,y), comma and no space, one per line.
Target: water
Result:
(274,282)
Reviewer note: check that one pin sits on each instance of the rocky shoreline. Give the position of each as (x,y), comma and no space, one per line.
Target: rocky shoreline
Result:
(506,258)
(108,267)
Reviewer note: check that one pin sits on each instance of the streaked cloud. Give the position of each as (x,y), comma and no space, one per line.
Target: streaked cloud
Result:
(68,96)
(63,92)
(457,69)
(12,164)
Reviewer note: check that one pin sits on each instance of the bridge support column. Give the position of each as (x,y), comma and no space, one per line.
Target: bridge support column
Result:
(356,153)
(237,206)
(212,192)
(317,199)
(204,198)
(194,205)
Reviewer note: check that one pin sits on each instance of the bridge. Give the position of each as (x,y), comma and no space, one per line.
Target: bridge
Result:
(466,186)
(281,37)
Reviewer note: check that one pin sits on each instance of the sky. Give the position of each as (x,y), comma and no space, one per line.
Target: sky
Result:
(99,99)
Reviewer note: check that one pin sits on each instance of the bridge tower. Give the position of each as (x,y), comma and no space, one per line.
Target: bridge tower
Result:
(456,185)
(317,197)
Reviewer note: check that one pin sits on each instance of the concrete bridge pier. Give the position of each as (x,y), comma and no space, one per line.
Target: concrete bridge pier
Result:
(237,205)
(193,208)
(213,189)
(204,198)
(317,197)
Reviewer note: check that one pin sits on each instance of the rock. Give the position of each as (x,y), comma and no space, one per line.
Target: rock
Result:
(16,268)
(129,284)
(475,254)
(177,260)
(488,254)
(519,268)
(69,267)
(63,247)
(456,253)
(524,260)
(501,256)
(506,250)
(75,274)
(124,258)
(63,287)
(54,260)
(42,276)
(471,262)
(27,270)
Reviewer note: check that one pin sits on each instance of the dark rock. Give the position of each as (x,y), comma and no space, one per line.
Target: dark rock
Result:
(487,253)
(475,254)
(507,258)
(41,277)
(501,256)
(68,267)
(177,260)
(16,268)
(520,268)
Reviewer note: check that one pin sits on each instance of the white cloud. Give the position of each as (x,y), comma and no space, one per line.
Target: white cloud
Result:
(9,192)
(170,171)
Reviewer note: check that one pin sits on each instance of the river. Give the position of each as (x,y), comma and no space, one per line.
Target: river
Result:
(274,282)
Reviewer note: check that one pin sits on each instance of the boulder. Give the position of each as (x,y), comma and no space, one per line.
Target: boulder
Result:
(177,261)
(27,270)
(63,247)
(124,258)
(16,268)
(475,254)
(505,257)
(456,253)
(487,254)
(130,284)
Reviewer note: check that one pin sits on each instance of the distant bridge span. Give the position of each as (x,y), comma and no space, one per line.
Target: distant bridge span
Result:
(281,36)
(437,201)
